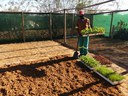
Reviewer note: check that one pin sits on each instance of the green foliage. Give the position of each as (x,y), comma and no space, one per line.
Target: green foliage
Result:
(104,70)
(90,61)
(86,31)
(115,77)
(109,73)
(121,25)
(98,30)
(80,6)
(121,31)
(91,31)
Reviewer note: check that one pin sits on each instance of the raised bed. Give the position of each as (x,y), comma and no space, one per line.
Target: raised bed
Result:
(98,73)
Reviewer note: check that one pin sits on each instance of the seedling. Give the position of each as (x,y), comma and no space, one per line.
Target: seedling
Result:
(90,61)
(101,69)
(115,77)
(92,30)
(104,70)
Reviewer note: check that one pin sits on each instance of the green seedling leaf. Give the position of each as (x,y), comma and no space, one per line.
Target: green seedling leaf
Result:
(115,77)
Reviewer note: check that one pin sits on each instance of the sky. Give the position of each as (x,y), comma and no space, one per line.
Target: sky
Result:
(123,4)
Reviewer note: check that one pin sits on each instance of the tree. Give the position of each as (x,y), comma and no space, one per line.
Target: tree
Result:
(50,5)
(83,3)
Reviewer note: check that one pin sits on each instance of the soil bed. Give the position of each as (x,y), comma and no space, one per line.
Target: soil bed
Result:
(112,49)
(103,60)
(108,50)
(56,76)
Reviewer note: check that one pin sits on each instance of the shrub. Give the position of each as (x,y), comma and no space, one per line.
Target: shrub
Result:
(121,31)
(121,34)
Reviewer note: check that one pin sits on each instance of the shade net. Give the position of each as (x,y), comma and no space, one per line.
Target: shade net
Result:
(37,26)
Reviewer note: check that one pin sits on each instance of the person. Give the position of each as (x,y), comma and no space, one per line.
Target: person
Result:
(83,41)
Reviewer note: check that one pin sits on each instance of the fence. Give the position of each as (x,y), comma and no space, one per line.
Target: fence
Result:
(110,19)
(23,26)
(20,26)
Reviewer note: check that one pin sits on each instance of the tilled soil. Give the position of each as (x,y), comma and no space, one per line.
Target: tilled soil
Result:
(110,52)
(115,50)
(54,76)
(30,51)
(102,60)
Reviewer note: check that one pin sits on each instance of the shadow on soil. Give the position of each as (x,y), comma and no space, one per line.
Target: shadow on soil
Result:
(31,70)
(79,89)
(87,86)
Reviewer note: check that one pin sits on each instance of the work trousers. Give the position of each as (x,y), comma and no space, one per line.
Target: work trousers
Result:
(83,44)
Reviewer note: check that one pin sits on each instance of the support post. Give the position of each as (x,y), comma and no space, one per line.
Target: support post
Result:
(65,26)
(111,26)
(23,32)
(50,25)
(73,22)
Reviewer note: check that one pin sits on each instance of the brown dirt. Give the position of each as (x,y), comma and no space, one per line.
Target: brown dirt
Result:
(103,60)
(115,51)
(31,70)
(54,76)
(30,51)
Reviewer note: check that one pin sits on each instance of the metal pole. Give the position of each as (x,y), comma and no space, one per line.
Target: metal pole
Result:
(50,25)
(65,26)
(89,5)
(111,25)
(23,33)
(73,22)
